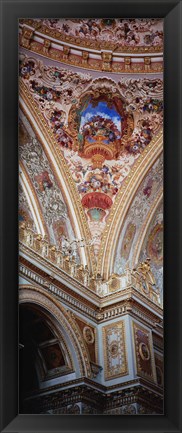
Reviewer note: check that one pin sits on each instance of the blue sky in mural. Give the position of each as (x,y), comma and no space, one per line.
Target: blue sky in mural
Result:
(103,110)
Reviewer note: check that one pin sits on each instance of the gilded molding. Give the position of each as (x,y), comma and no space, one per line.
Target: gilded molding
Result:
(85,62)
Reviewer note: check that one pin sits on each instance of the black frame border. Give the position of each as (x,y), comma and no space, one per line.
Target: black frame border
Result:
(11,11)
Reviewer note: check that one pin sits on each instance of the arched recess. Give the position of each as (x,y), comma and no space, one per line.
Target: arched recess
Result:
(61,171)
(32,200)
(46,355)
(144,229)
(123,202)
(64,322)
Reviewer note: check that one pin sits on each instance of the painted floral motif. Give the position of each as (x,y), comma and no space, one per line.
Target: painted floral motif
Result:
(153,105)
(51,83)
(45,92)
(100,126)
(100,180)
(57,120)
(27,69)
(140,139)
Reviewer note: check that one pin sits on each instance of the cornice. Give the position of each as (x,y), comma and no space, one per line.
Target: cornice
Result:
(90,384)
(129,301)
(90,55)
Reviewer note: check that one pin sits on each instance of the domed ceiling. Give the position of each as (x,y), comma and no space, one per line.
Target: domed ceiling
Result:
(91,135)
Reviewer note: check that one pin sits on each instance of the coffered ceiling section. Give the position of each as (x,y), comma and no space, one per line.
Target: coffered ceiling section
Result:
(97,134)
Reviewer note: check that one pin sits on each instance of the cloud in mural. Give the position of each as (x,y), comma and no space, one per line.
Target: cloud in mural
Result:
(101,110)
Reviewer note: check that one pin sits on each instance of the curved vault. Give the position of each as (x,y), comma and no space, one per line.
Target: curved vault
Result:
(97,193)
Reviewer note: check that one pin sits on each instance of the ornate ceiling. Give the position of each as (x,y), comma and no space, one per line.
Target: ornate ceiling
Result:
(112,45)
(91,140)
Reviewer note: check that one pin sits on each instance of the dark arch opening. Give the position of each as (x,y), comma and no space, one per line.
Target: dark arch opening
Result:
(39,349)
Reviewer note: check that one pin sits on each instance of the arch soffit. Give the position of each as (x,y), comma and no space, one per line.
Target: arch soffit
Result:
(123,202)
(144,228)
(35,295)
(32,200)
(61,172)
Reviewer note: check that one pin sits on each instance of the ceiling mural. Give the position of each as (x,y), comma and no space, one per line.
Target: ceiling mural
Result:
(101,127)
(140,208)
(49,195)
